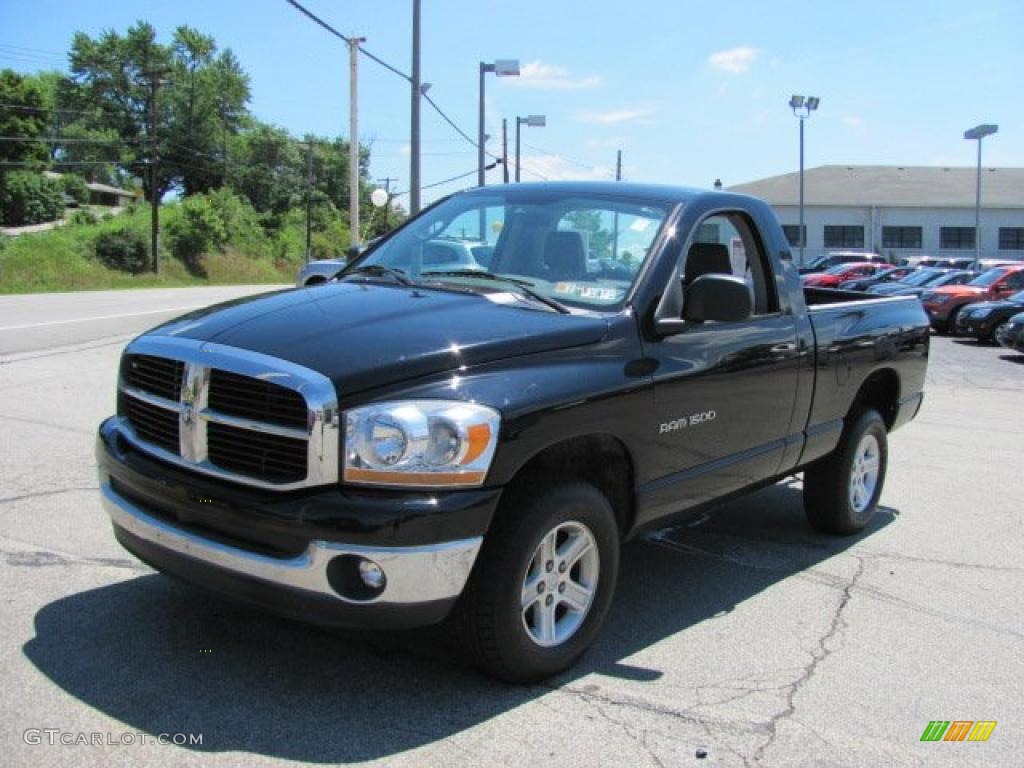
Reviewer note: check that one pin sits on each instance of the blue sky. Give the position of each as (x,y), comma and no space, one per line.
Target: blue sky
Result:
(690,92)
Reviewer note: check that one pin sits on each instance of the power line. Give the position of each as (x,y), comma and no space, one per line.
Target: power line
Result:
(336,33)
(30,50)
(66,140)
(453,178)
(571,161)
(58,163)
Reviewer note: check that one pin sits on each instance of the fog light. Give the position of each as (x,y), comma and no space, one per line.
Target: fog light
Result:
(371,574)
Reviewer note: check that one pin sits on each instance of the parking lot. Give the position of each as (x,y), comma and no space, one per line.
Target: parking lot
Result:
(743,634)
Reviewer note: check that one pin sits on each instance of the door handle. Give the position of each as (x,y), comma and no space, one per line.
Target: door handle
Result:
(782,349)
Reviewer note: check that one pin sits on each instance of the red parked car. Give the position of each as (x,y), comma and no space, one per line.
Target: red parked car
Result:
(944,304)
(831,278)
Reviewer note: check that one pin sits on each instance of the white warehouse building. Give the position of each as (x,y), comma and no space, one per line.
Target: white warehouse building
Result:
(898,211)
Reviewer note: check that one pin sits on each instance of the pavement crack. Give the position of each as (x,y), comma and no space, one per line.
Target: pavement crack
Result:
(48,425)
(937,561)
(818,656)
(42,494)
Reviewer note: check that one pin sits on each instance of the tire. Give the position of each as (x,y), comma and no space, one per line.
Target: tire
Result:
(518,644)
(951,321)
(841,491)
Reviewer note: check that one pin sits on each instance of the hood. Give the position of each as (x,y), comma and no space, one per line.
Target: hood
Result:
(364,335)
(959,290)
(989,306)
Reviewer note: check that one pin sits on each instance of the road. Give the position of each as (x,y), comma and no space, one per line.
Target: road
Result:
(40,321)
(744,633)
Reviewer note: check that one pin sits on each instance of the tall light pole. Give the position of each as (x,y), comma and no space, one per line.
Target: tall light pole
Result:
(978,132)
(802,109)
(532,121)
(416,92)
(500,68)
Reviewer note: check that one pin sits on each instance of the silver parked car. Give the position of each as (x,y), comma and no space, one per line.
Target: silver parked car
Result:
(437,256)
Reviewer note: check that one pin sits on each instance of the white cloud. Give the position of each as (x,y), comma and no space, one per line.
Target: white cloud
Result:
(558,168)
(548,77)
(616,116)
(735,61)
(853,121)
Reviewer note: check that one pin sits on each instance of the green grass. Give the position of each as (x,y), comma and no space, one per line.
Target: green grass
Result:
(63,259)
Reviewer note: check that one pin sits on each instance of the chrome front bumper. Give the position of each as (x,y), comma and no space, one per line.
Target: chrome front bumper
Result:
(415,575)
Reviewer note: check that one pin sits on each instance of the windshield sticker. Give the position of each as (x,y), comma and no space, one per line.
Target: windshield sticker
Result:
(595,292)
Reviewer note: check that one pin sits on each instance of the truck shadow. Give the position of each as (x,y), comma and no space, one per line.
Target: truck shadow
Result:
(162,657)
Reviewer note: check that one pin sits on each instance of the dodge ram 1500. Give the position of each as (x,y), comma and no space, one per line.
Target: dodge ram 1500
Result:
(407,444)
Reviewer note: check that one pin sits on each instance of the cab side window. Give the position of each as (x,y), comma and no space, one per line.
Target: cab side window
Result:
(728,243)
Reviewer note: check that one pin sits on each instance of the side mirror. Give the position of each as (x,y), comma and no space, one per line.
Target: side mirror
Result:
(723,298)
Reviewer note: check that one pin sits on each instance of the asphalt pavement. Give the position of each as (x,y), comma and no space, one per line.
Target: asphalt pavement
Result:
(744,636)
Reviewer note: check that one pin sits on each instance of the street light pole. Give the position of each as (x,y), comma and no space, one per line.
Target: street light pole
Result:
(500,68)
(802,109)
(531,121)
(979,132)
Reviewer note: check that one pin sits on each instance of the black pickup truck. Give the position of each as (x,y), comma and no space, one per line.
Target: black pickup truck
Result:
(418,440)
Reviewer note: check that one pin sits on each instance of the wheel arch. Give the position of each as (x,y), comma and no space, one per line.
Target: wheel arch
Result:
(880,391)
(602,460)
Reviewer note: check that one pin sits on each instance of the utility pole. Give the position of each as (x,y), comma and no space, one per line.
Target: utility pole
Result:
(615,225)
(309,200)
(504,149)
(154,76)
(353,141)
(387,181)
(414,139)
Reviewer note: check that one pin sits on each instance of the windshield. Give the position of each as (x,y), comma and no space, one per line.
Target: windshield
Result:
(954,278)
(578,251)
(1017,298)
(985,279)
(839,269)
(922,277)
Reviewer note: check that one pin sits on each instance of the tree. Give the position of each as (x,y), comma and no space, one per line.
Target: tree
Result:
(200,100)
(268,168)
(208,98)
(114,81)
(24,116)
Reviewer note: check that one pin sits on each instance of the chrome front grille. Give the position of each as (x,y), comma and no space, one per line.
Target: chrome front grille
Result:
(230,413)
(249,398)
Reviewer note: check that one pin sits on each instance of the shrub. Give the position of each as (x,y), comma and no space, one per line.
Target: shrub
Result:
(123,249)
(29,198)
(83,216)
(75,188)
(194,231)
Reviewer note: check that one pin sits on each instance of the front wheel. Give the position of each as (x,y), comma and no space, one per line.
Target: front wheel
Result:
(543,583)
(841,491)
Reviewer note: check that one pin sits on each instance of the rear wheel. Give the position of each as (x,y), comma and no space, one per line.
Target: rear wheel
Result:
(841,491)
(951,320)
(543,582)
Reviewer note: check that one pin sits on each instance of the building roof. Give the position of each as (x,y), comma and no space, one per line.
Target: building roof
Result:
(94,186)
(892,186)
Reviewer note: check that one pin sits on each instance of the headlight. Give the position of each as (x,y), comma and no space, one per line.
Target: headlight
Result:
(420,443)
(940,298)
